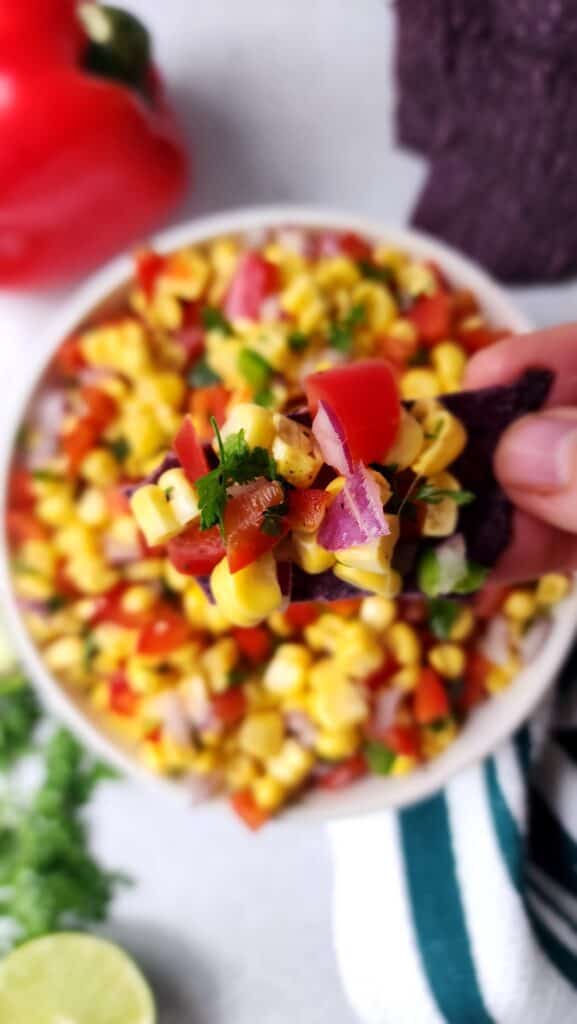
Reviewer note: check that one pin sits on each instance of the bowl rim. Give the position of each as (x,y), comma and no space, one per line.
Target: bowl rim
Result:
(370,795)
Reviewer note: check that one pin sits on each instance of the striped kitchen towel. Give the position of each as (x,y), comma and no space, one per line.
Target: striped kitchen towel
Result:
(464,908)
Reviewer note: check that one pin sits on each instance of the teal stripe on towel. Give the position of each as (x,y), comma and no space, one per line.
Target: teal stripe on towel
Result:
(511,845)
(438,914)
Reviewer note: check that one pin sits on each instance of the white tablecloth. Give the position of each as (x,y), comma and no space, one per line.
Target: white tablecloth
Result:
(281,102)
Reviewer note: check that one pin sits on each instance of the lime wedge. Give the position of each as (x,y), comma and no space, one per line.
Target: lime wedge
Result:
(73,979)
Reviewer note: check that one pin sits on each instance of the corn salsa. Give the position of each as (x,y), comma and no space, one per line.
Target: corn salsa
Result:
(204,371)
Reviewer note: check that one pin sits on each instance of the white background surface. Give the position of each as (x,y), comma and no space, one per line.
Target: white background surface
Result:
(281,101)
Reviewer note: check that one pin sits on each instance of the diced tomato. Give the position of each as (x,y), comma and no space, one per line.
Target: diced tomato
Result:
(473,690)
(248,810)
(255,279)
(430,701)
(191,334)
(345,773)
(243,519)
(117,501)
(398,350)
(63,584)
(463,304)
(154,735)
(22,525)
(189,451)
(403,739)
(122,700)
(346,607)
(307,509)
(164,633)
(69,359)
(108,608)
(431,315)
(20,491)
(365,398)
(195,552)
(489,599)
(229,707)
(480,337)
(254,643)
(300,615)
(203,404)
(377,680)
(100,407)
(343,243)
(79,441)
(149,267)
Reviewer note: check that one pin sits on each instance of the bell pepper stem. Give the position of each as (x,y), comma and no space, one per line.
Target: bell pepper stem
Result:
(118,44)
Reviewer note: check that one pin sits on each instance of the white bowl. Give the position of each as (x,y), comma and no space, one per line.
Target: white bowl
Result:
(488,726)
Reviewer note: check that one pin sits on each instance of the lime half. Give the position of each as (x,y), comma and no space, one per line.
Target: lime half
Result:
(73,979)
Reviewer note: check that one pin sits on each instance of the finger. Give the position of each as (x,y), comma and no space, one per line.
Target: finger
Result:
(555,349)
(536,549)
(536,464)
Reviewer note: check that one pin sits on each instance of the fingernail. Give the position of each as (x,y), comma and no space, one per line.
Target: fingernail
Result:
(539,453)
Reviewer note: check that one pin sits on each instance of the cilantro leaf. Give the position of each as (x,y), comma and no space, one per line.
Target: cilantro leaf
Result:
(238,465)
(298,341)
(120,448)
(214,320)
(376,273)
(255,369)
(432,495)
(442,614)
(202,376)
(19,716)
(473,579)
(341,334)
(380,758)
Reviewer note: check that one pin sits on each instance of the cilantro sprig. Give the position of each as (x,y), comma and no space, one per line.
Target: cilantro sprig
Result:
(238,464)
(342,333)
(214,320)
(432,495)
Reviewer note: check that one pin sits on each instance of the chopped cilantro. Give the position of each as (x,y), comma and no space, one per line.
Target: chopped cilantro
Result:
(90,651)
(264,398)
(238,465)
(120,448)
(432,495)
(272,520)
(440,723)
(19,716)
(201,375)
(442,614)
(473,579)
(420,357)
(214,320)
(237,676)
(341,334)
(298,341)
(380,758)
(55,603)
(45,474)
(375,273)
(255,369)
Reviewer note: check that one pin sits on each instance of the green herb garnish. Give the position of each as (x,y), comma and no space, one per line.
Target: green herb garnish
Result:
(237,676)
(238,465)
(55,603)
(90,651)
(473,579)
(45,474)
(442,616)
(120,448)
(201,375)
(380,758)
(255,370)
(298,341)
(266,398)
(341,334)
(432,495)
(375,273)
(19,716)
(214,320)
(272,520)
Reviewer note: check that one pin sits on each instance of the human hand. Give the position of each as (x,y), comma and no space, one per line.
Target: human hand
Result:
(536,461)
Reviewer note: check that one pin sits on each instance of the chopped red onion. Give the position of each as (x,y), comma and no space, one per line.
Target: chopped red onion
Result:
(356,515)
(119,552)
(175,722)
(201,788)
(332,440)
(299,725)
(495,643)
(270,310)
(46,419)
(295,240)
(384,710)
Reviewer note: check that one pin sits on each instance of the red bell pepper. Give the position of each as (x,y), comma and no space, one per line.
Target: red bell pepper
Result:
(90,158)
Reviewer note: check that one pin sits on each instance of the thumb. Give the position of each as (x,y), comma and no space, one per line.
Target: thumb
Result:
(536,463)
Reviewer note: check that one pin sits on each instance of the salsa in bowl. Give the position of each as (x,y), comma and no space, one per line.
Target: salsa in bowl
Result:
(221,327)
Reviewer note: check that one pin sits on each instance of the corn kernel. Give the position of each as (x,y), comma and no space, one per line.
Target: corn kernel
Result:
(32,587)
(408,442)
(378,303)
(448,660)
(268,793)
(142,431)
(404,644)
(378,612)
(218,662)
(463,625)
(55,509)
(303,300)
(309,555)
(338,704)
(500,676)
(551,589)
(375,555)
(296,452)
(261,734)
(449,360)
(287,670)
(90,574)
(357,651)
(404,764)
(240,772)
(406,678)
(250,595)
(64,654)
(154,515)
(435,741)
(417,279)
(520,605)
(145,674)
(174,579)
(112,645)
(419,382)
(92,507)
(256,422)
(337,743)
(445,439)
(145,570)
(122,346)
(323,634)
(387,584)
(152,757)
(75,539)
(164,388)
(181,495)
(278,624)
(100,468)
(205,762)
(441,518)
(337,272)
(291,765)
(138,599)
(39,557)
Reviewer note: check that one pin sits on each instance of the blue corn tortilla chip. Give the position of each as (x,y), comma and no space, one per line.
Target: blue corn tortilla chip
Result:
(487,523)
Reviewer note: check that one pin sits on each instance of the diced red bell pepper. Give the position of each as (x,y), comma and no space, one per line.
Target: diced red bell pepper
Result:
(431,315)
(365,398)
(346,607)
(343,774)
(79,441)
(189,451)
(205,403)
(22,525)
(300,615)
(100,407)
(122,700)
(253,643)
(111,164)
(69,359)
(229,707)
(243,519)
(430,700)
(489,599)
(473,688)
(20,490)
(191,333)
(163,634)
(195,552)
(108,608)
(343,243)
(398,350)
(307,509)
(403,739)
(149,265)
(244,804)
(117,501)
(480,337)
(254,281)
